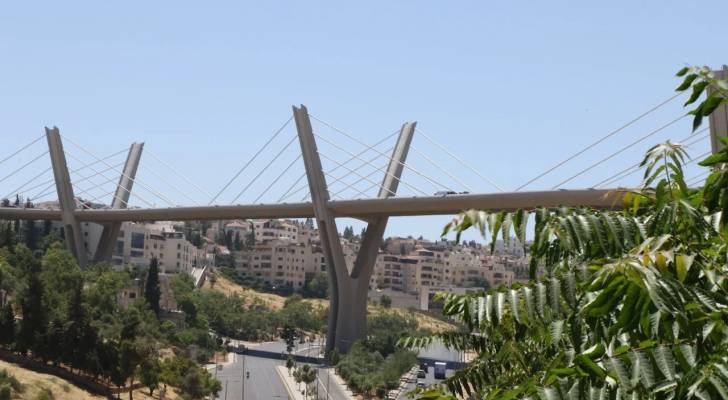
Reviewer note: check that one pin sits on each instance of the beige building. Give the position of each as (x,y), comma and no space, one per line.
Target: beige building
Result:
(281,263)
(139,243)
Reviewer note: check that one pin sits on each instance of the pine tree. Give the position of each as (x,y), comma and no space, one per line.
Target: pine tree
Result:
(7,324)
(152,293)
(47,225)
(34,322)
(29,234)
(229,240)
(80,337)
(250,240)
(237,243)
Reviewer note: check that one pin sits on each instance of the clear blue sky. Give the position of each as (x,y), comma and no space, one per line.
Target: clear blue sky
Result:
(513,87)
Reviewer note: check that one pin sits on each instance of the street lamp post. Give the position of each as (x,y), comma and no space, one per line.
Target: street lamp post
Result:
(243,380)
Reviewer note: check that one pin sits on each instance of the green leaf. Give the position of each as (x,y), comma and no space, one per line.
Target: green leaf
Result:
(713,159)
(686,82)
(682,265)
(697,91)
(682,71)
(665,361)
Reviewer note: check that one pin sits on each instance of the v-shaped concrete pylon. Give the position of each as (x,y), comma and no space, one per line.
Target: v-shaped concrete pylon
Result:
(348,294)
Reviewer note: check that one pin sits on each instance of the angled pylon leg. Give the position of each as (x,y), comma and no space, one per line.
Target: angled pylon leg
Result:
(108,238)
(66,198)
(325,221)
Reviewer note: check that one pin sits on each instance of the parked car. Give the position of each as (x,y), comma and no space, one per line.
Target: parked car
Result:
(421,373)
(421,383)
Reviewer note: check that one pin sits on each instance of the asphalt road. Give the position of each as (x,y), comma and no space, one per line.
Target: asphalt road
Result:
(263,383)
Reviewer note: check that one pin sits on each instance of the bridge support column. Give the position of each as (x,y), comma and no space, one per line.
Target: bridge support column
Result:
(348,294)
(328,233)
(719,118)
(66,199)
(109,235)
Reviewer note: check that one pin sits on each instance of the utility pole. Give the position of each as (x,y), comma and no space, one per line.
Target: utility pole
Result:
(243,380)
(719,118)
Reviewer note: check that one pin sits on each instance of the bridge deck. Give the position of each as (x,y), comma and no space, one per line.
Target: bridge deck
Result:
(365,208)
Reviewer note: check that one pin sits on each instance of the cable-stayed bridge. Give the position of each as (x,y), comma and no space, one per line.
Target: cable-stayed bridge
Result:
(342,176)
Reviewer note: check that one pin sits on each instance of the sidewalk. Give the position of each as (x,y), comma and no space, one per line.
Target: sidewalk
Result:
(337,380)
(289,383)
(295,393)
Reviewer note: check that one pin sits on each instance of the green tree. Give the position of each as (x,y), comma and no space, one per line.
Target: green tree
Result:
(631,304)
(80,337)
(385,301)
(316,285)
(33,324)
(290,363)
(150,373)
(237,243)
(29,234)
(250,239)
(7,324)
(152,292)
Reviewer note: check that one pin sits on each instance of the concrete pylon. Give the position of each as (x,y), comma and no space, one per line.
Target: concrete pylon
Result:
(352,319)
(348,295)
(66,198)
(109,235)
(719,118)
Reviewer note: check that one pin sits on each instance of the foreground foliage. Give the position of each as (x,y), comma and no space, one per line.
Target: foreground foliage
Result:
(630,304)
(70,316)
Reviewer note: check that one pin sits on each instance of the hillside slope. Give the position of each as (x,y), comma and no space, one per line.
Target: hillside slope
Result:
(274,301)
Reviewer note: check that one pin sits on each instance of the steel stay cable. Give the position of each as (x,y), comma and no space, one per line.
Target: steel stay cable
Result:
(366,145)
(17,191)
(159,159)
(353,185)
(287,195)
(350,170)
(278,178)
(363,194)
(137,181)
(265,168)
(369,175)
(635,167)
(609,157)
(372,165)
(240,171)
(612,133)
(458,159)
(426,157)
(51,182)
(38,157)
(631,169)
(22,148)
(175,188)
(106,177)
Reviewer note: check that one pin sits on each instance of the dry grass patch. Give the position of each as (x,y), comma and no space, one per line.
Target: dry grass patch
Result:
(275,302)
